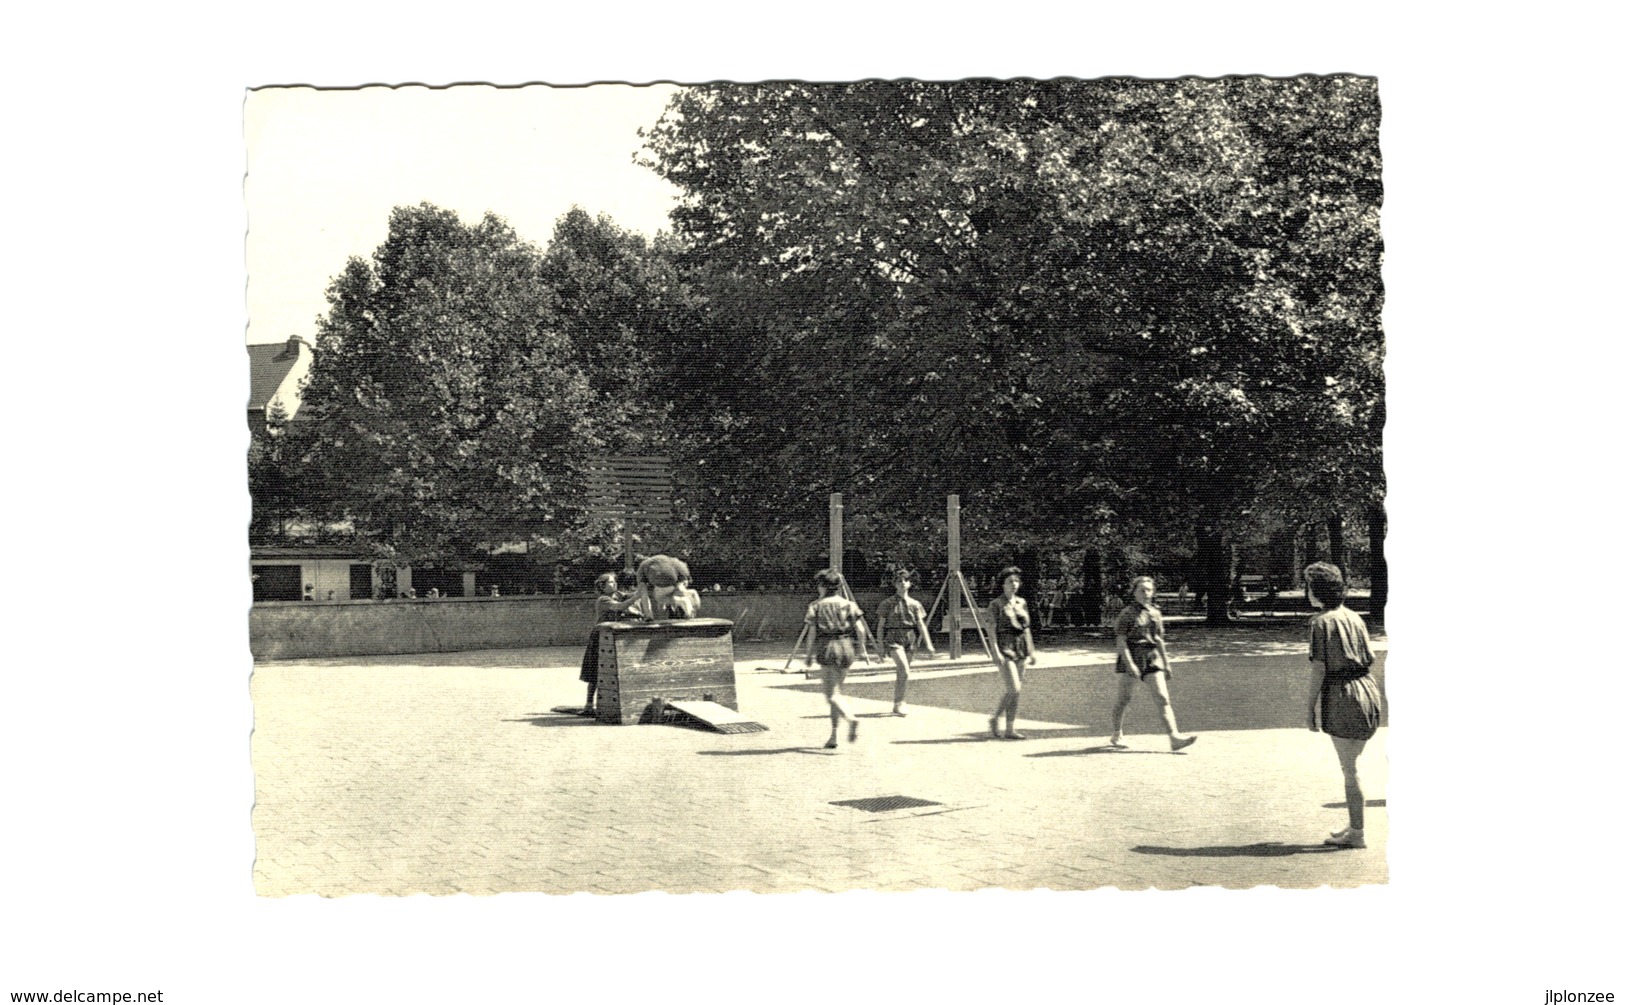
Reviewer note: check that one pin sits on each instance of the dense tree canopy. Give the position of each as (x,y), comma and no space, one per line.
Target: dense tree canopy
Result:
(1108,313)
(1083,304)
(462,376)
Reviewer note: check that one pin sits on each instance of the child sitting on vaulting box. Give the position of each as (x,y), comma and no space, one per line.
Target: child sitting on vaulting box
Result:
(663,588)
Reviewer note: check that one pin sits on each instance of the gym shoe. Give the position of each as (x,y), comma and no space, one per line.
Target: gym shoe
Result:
(1181,742)
(1011,734)
(1350,838)
(993,727)
(1116,741)
(832,744)
(899,709)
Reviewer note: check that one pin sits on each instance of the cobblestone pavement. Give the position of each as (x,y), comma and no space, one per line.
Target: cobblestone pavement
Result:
(450,773)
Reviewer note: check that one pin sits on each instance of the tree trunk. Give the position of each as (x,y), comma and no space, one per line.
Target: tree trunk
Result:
(1334,535)
(1215,556)
(1377,524)
(1199,572)
(1027,561)
(1311,542)
(1093,594)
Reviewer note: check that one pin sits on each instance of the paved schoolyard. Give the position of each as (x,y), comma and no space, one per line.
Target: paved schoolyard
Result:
(449,773)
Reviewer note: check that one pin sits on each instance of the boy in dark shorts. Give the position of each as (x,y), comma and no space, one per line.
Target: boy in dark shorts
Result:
(900,625)
(836,622)
(1344,702)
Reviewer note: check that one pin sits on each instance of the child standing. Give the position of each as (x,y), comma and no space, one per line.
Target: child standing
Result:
(606,607)
(835,621)
(1343,702)
(1142,655)
(1012,629)
(900,625)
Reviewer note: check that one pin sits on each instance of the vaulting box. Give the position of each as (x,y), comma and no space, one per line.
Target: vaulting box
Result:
(639,662)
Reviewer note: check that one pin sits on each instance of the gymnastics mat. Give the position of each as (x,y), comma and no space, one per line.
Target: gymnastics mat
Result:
(719,717)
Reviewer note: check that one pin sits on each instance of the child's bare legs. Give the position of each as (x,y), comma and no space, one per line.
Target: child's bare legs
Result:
(1125,694)
(1012,698)
(592,692)
(899,656)
(1159,687)
(1348,755)
(833,676)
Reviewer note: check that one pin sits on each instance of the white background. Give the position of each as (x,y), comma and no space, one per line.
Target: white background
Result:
(125,848)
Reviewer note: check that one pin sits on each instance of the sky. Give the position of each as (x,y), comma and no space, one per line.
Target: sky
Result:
(325,167)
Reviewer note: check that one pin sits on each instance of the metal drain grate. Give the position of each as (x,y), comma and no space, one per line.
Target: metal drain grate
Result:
(880,804)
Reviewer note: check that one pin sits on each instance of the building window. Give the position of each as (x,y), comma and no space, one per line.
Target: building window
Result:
(360,582)
(277,582)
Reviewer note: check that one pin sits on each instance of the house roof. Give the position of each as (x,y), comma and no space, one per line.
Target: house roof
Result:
(311,551)
(268,366)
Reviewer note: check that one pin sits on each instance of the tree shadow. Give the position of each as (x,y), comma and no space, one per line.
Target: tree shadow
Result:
(1261,849)
(1220,692)
(968,738)
(1344,805)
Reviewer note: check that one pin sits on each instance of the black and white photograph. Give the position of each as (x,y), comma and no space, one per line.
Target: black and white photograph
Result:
(885,485)
(869,503)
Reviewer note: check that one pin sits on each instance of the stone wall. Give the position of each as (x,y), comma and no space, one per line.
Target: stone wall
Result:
(297,630)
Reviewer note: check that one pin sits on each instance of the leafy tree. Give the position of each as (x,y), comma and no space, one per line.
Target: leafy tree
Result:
(1090,306)
(448,410)
(620,298)
(273,481)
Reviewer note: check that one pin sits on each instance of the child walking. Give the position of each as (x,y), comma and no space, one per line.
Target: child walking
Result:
(1013,635)
(1344,702)
(1142,655)
(900,625)
(835,622)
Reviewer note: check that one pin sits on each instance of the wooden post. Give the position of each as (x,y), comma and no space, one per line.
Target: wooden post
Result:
(955,602)
(836,548)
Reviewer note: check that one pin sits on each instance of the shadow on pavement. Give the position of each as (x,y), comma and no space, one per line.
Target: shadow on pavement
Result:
(970,738)
(753,753)
(1100,750)
(1217,692)
(555,719)
(1039,733)
(1263,849)
(1344,805)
